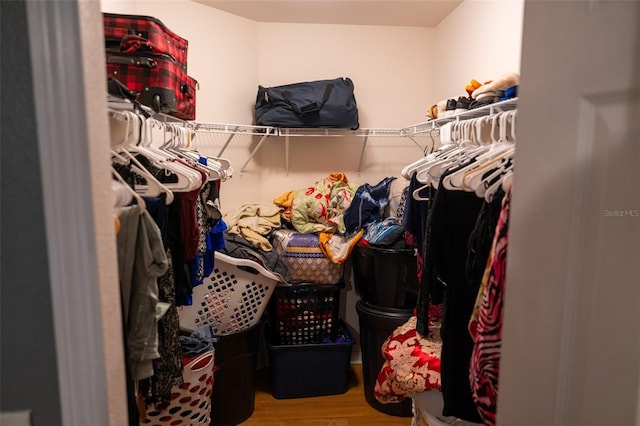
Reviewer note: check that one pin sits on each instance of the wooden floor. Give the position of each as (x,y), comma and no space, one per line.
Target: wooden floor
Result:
(349,408)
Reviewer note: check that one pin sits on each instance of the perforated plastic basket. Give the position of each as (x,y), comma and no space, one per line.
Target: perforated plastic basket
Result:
(305,313)
(232,299)
(190,402)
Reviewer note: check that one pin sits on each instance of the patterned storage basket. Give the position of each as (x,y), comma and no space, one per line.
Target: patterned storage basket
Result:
(190,402)
(302,255)
(232,299)
(305,313)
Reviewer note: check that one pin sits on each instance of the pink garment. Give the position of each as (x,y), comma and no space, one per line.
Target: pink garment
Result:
(487,330)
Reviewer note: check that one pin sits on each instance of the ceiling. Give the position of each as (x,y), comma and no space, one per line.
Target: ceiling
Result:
(414,13)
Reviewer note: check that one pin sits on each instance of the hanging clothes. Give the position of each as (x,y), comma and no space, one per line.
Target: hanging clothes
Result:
(417,233)
(168,367)
(452,218)
(481,238)
(486,325)
(142,260)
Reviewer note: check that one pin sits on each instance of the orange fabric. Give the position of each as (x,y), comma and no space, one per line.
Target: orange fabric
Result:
(338,177)
(285,201)
(337,248)
(472,86)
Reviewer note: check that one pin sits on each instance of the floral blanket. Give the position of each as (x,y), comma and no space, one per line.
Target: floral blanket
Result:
(412,363)
(321,207)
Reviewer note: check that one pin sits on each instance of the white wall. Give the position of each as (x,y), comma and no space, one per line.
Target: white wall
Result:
(480,39)
(390,66)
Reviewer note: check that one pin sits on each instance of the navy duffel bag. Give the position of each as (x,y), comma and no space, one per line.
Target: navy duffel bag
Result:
(321,103)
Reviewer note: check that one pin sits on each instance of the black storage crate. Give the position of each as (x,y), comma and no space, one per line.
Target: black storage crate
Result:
(300,371)
(385,277)
(305,313)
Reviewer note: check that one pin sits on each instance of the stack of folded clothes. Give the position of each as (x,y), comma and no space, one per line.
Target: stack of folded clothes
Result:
(478,95)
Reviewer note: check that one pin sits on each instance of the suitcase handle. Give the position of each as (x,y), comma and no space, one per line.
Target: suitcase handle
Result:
(132,43)
(309,109)
(139,61)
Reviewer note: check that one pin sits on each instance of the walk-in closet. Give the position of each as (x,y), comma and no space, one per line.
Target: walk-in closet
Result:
(462,249)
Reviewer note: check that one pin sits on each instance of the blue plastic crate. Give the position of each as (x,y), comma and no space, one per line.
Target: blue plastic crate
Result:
(315,369)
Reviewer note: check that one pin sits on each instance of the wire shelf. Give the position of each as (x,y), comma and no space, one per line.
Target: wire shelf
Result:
(234,129)
(428,126)
(331,132)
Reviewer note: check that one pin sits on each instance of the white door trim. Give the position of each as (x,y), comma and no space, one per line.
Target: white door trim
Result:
(67,117)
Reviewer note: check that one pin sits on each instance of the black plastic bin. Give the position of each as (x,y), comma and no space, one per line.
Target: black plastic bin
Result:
(376,324)
(234,387)
(385,277)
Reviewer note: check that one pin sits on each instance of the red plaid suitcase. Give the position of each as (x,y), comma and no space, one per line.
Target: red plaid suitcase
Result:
(138,33)
(159,81)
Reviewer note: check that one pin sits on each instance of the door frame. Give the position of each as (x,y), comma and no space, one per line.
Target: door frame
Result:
(73,141)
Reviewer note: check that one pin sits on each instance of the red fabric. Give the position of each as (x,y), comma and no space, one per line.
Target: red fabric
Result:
(487,329)
(412,363)
(189,227)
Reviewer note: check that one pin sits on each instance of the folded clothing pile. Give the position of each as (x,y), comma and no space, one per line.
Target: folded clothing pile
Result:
(478,95)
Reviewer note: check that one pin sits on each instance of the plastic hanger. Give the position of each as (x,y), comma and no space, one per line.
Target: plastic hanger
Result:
(182,149)
(410,169)
(153,187)
(181,145)
(483,156)
(453,181)
(451,159)
(187,178)
(139,199)
(450,149)
(507,178)
(122,195)
(506,181)
(499,151)
(422,171)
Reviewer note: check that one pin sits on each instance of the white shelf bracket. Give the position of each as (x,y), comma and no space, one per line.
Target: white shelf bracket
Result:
(286,153)
(255,150)
(364,145)
(226,144)
(416,142)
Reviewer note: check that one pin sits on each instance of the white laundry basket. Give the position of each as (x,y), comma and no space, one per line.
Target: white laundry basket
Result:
(190,402)
(232,299)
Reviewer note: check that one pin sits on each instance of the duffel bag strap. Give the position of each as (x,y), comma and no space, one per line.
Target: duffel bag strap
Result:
(312,108)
